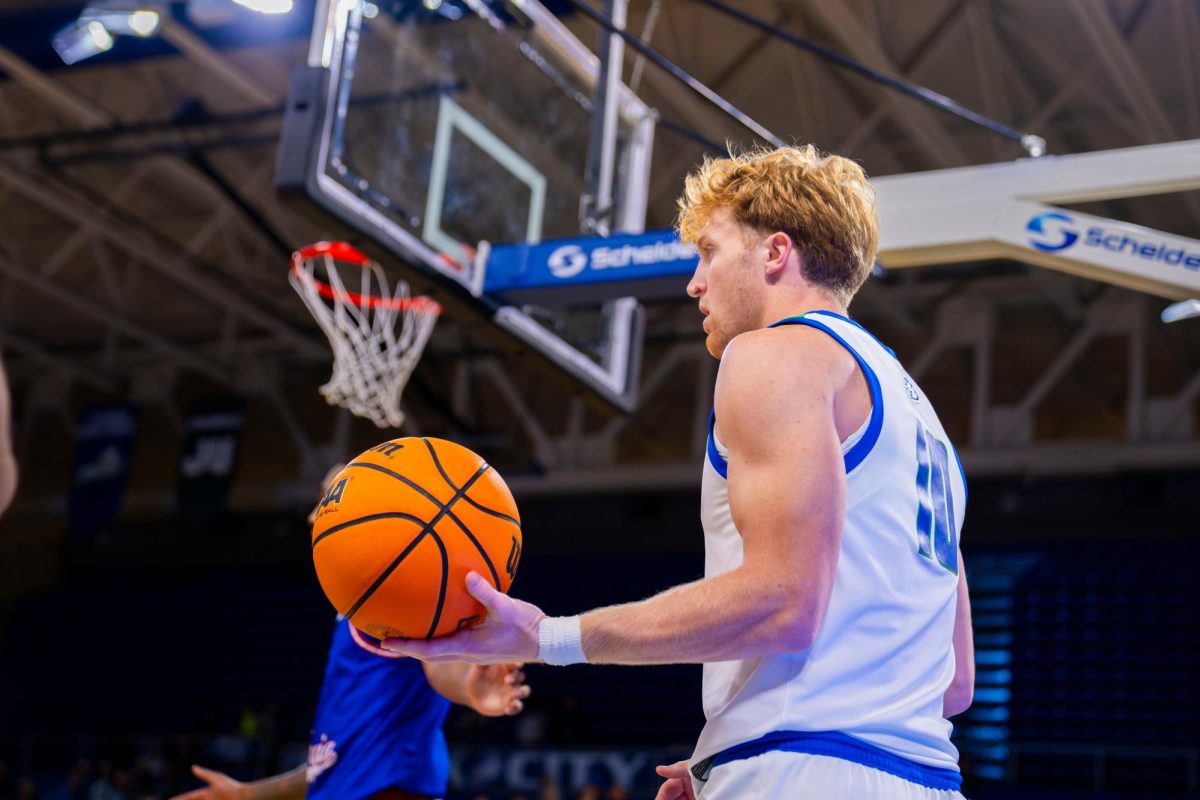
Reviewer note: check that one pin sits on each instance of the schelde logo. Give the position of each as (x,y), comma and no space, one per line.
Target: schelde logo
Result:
(567,261)
(1051,231)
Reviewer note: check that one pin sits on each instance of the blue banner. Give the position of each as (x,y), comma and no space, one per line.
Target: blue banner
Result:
(593,267)
(103,452)
(213,436)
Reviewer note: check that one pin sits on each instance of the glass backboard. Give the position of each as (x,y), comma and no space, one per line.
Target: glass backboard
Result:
(432,127)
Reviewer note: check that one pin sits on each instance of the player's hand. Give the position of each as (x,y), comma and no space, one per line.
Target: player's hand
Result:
(509,633)
(220,787)
(678,783)
(497,690)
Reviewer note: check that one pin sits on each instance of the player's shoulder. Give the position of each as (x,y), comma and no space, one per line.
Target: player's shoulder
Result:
(795,352)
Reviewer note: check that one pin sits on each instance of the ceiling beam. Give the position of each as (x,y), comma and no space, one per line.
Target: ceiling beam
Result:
(155,257)
(916,119)
(53,92)
(220,66)
(988,55)
(910,67)
(81,305)
(92,116)
(35,352)
(1123,69)
(1185,19)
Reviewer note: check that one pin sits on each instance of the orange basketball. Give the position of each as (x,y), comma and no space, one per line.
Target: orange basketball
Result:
(400,527)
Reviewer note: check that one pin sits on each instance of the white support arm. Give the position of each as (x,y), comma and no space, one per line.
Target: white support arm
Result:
(992,211)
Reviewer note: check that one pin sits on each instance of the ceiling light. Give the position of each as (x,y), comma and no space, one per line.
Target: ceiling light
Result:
(370,10)
(123,18)
(1185,309)
(267,6)
(81,40)
(143,23)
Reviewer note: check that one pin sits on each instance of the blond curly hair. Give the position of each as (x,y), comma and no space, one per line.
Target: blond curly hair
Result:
(823,202)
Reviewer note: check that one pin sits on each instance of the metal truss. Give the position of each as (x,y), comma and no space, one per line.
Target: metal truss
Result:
(122,282)
(143,273)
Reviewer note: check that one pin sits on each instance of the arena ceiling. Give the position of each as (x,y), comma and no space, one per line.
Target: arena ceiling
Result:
(143,248)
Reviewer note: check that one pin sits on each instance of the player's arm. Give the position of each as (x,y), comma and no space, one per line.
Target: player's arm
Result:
(8,460)
(787,489)
(493,690)
(962,688)
(285,786)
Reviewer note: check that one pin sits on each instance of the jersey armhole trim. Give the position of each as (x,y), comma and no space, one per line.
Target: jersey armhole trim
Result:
(714,455)
(856,454)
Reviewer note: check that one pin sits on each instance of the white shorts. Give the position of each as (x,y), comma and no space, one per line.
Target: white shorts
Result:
(781,775)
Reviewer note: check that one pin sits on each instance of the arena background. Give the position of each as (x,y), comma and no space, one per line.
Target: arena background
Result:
(144,248)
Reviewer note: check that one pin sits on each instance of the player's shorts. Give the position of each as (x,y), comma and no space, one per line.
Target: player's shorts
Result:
(780,774)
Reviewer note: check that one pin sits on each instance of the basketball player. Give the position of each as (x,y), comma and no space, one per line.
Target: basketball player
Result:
(833,619)
(378,727)
(8,461)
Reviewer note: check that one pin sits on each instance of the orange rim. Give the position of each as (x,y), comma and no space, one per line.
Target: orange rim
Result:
(344,251)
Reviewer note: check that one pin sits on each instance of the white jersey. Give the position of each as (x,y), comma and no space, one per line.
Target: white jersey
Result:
(883,656)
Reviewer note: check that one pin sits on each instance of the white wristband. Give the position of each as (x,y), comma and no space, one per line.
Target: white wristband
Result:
(560,641)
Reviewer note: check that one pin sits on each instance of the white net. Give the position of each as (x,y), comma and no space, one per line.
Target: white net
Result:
(377,333)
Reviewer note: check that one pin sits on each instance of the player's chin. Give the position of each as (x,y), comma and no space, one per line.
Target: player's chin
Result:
(715,343)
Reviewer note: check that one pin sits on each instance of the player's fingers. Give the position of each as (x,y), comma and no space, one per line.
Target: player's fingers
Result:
(483,591)
(514,708)
(515,678)
(523,692)
(205,774)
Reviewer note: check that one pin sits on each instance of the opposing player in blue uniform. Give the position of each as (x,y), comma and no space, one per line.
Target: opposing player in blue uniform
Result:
(377,732)
(833,620)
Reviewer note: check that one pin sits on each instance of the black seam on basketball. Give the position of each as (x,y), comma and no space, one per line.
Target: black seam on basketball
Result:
(437,614)
(499,514)
(459,494)
(391,568)
(368,518)
(429,527)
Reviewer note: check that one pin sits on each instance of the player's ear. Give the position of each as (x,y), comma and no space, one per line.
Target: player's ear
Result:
(779,247)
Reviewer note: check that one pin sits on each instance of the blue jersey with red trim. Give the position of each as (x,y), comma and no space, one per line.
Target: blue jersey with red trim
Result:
(378,726)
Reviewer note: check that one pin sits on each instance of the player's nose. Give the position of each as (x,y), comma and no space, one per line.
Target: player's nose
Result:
(696,285)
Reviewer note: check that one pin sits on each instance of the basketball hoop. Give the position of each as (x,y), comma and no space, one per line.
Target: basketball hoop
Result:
(377,333)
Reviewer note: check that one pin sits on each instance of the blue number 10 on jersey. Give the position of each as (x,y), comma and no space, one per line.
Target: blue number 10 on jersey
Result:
(936,536)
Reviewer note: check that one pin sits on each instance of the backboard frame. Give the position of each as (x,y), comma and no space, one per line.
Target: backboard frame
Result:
(316,107)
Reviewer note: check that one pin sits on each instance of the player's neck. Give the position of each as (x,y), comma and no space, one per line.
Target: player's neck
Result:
(801,302)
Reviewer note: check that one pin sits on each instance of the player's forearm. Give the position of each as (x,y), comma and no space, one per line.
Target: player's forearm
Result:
(957,698)
(287,786)
(739,614)
(449,679)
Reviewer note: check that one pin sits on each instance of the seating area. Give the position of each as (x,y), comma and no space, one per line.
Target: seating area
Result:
(1104,646)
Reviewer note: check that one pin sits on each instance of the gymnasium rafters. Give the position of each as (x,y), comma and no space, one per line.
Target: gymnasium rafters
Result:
(143,247)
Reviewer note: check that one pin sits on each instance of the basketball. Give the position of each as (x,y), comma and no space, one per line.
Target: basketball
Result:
(399,528)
